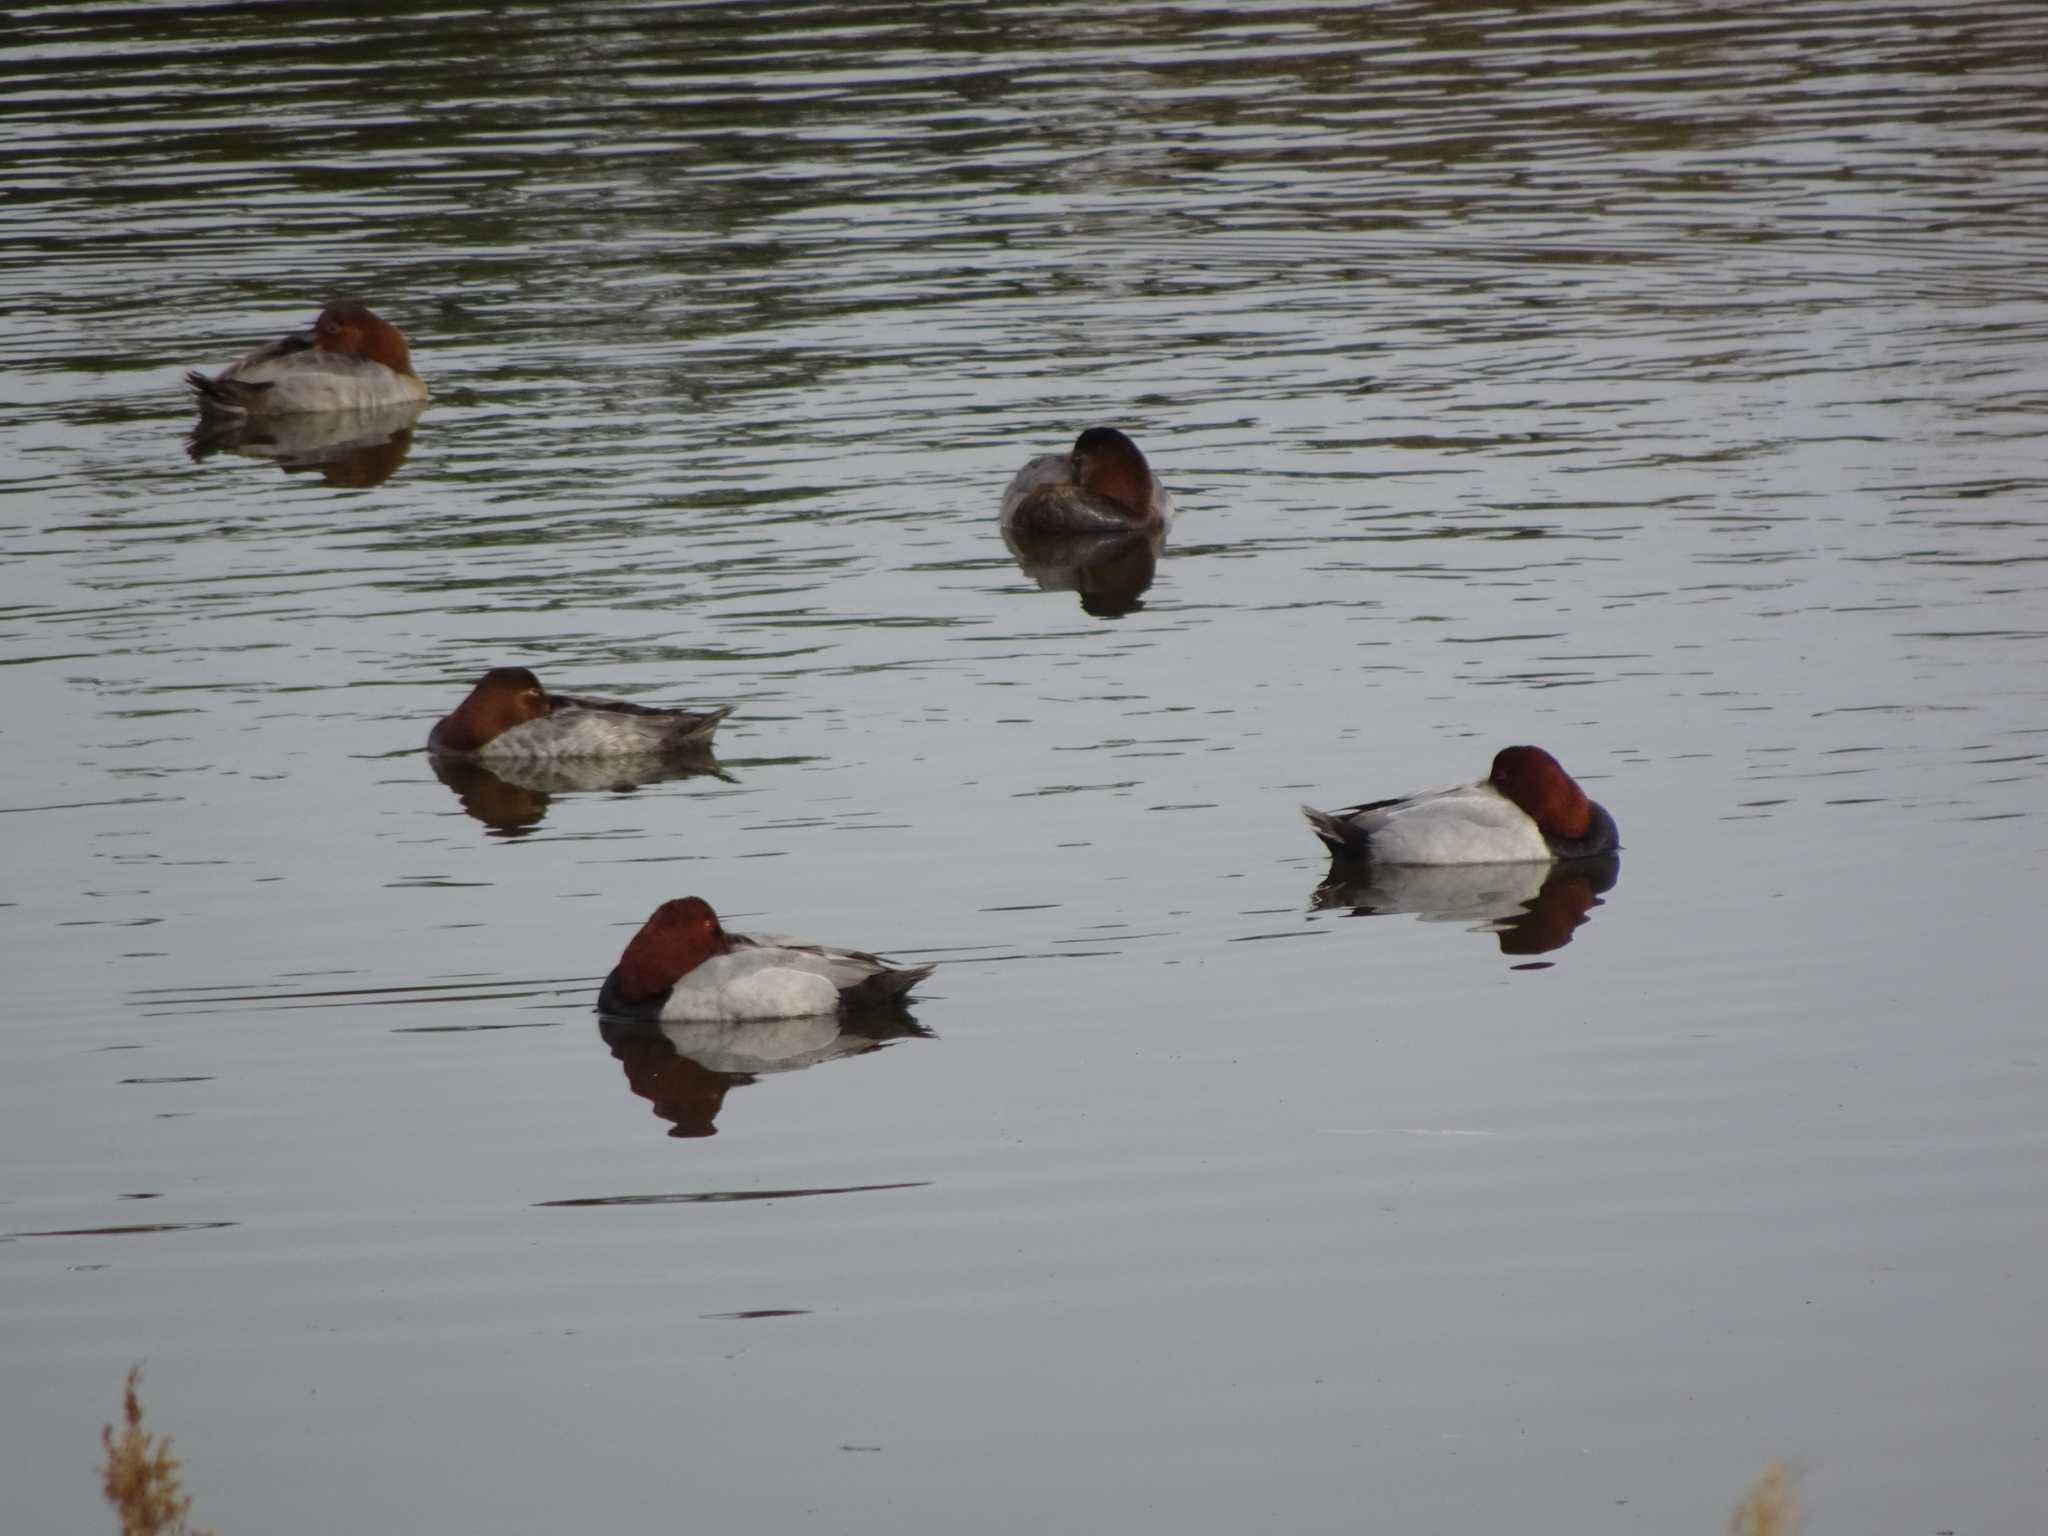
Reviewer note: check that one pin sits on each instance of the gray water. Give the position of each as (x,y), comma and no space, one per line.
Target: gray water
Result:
(1664,384)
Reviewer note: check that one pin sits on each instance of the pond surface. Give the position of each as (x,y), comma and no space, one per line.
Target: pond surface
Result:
(1665,384)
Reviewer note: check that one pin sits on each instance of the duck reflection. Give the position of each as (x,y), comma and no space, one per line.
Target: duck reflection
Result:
(352,449)
(511,798)
(1110,570)
(685,1070)
(1531,908)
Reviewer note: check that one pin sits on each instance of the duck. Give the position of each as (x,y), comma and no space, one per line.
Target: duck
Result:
(682,966)
(1526,810)
(509,718)
(1103,485)
(349,359)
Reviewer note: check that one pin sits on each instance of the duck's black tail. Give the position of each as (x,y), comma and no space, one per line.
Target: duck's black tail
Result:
(222,395)
(1341,837)
(884,989)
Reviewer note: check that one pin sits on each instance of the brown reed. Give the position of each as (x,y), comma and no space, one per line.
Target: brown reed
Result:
(140,1478)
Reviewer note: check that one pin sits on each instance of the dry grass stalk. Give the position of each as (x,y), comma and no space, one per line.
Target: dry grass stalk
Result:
(1771,1507)
(140,1478)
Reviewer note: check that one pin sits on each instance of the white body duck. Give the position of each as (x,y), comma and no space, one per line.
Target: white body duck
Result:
(350,359)
(1526,810)
(683,966)
(509,718)
(1103,486)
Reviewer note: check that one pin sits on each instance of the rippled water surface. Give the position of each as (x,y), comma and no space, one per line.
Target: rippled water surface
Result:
(1665,384)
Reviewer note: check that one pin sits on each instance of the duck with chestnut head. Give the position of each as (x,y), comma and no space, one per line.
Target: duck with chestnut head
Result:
(1527,809)
(349,359)
(1102,486)
(684,965)
(509,718)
